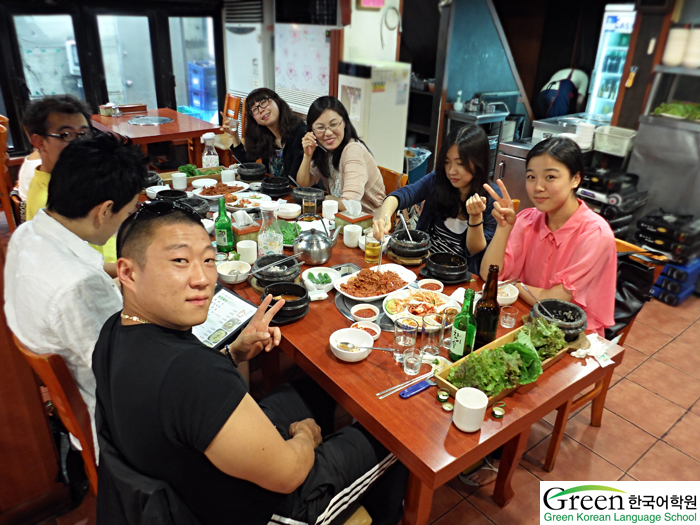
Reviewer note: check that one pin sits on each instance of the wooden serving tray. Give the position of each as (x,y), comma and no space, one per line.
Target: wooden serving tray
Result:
(441,376)
(168,175)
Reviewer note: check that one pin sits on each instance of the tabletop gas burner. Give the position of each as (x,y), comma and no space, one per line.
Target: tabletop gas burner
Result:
(150,121)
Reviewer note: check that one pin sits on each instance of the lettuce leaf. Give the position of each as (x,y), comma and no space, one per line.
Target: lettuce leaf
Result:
(544,336)
(531,367)
(289,231)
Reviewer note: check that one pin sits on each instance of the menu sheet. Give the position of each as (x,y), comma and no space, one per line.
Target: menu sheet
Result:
(228,314)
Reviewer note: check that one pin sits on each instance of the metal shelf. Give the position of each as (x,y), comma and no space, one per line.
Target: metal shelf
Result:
(686,125)
(677,71)
(418,128)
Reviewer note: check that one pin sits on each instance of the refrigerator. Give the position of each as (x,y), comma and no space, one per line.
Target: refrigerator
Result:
(375,94)
(618,22)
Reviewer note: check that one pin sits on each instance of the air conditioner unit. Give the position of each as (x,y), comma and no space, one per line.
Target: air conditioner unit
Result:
(328,13)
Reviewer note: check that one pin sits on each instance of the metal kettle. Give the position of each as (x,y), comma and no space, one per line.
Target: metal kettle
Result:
(475,105)
(315,245)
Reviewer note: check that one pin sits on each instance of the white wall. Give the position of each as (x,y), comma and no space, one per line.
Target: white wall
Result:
(361,39)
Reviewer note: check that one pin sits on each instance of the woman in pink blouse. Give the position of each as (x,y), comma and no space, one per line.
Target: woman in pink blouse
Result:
(334,154)
(560,248)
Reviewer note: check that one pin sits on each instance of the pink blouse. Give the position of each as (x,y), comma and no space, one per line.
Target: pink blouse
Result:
(581,256)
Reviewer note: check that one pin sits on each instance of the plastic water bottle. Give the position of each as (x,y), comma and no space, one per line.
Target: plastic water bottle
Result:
(210,158)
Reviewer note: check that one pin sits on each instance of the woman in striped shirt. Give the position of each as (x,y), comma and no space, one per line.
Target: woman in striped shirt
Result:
(457,210)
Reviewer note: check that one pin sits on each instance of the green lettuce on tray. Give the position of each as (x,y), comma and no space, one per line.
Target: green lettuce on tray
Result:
(494,370)
(679,109)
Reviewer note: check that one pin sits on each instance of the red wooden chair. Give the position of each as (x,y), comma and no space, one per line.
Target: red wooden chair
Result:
(5,181)
(53,372)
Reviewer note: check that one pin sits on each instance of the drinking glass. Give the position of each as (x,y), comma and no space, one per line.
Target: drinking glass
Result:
(308,207)
(412,360)
(405,331)
(448,320)
(432,334)
(372,249)
(508,316)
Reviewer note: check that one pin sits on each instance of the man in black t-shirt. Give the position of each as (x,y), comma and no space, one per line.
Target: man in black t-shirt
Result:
(180,412)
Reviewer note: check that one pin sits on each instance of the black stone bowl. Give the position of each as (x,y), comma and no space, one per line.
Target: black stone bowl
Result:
(299,194)
(568,316)
(275,186)
(290,308)
(198,204)
(251,172)
(446,266)
(171,195)
(267,277)
(402,247)
(152,179)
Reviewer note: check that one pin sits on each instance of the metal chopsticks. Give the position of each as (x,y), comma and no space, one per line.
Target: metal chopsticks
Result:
(397,388)
(278,262)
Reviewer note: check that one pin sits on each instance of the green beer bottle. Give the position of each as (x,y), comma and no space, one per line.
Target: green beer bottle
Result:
(224,231)
(463,329)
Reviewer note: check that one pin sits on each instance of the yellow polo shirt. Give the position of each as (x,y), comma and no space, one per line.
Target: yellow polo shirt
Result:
(38,194)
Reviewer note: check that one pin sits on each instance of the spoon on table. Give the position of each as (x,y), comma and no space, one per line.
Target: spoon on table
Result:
(537,300)
(350,347)
(405,226)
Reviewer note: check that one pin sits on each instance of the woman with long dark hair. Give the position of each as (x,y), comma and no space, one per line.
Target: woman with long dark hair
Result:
(335,155)
(273,134)
(560,248)
(457,209)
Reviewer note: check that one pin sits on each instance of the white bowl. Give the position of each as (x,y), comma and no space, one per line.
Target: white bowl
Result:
(152,191)
(359,307)
(431,281)
(371,326)
(289,211)
(351,335)
(508,294)
(202,183)
(255,186)
(333,274)
(209,225)
(242,267)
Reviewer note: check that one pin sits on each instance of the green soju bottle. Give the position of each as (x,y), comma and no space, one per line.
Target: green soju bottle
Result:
(224,231)
(463,329)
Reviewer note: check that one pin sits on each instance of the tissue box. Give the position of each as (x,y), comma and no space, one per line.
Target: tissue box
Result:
(364,221)
(246,233)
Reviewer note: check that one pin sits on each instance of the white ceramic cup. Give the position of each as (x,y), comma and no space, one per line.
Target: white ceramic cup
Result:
(179,181)
(248,250)
(470,408)
(330,208)
(351,235)
(228,175)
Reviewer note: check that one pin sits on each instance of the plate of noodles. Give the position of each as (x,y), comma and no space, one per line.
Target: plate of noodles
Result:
(371,284)
(417,303)
(220,189)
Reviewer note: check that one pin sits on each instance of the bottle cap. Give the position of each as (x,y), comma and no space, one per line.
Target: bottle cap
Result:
(448,407)
(208,136)
(443,395)
(498,410)
(269,205)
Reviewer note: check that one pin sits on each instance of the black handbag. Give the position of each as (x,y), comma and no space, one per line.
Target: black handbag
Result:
(634,282)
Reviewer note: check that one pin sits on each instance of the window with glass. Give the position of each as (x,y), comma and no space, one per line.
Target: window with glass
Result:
(194,66)
(49,55)
(127,59)
(3,112)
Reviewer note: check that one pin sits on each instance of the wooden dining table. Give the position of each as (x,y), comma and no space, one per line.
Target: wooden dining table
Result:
(183,127)
(417,430)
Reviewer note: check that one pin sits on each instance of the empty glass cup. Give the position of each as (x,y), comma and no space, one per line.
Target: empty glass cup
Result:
(509,314)
(432,334)
(412,360)
(405,331)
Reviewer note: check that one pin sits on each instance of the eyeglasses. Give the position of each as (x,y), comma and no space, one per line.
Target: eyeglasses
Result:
(257,108)
(156,209)
(321,130)
(70,136)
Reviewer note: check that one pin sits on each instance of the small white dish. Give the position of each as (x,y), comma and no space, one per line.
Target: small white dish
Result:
(507,294)
(359,338)
(243,269)
(359,307)
(208,225)
(333,274)
(423,282)
(152,191)
(289,211)
(372,326)
(202,183)
(255,186)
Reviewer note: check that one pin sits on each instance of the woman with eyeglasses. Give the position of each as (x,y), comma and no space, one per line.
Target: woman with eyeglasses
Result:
(457,210)
(273,134)
(335,155)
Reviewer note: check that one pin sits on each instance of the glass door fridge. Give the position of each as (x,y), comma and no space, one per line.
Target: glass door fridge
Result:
(618,22)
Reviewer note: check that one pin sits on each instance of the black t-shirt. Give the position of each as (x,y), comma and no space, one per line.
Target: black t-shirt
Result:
(163,397)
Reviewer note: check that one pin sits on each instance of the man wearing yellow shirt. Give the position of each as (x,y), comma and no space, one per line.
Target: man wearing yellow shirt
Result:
(51,124)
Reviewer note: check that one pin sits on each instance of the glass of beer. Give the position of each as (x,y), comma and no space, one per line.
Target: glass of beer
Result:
(308,207)
(372,249)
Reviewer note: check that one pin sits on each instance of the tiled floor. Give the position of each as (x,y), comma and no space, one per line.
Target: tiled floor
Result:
(649,431)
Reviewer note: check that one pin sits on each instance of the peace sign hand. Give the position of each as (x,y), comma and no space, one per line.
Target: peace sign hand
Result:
(503,210)
(258,335)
